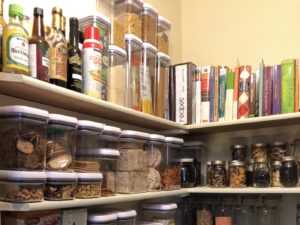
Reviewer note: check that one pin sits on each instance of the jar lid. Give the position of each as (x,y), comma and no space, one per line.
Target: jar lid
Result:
(279,143)
(237,163)
(20,109)
(96,152)
(276,163)
(102,217)
(62,118)
(184,160)
(157,138)
(86,124)
(61,176)
(131,37)
(147,223)
(163,23)
(136,135)
(111,130)
(261,160)
(173,140)
(218,162)
(288,158)
(259,145)
(108,152)
(117,49)
(30,176)
(160,207)
(124,214)
(94,177)
(163,56)
(148,46)
(238,146)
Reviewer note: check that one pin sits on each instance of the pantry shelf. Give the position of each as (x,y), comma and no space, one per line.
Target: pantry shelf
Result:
(28,88)
(247,190)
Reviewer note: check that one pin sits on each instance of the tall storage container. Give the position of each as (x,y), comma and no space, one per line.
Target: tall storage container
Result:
(163,29)
(149,24)
(118,19)
(133,17)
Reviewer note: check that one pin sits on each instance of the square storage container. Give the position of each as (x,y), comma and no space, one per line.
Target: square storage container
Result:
(163,29)
(126,217)
(133,82)
(88,185)
(22,186)
(87,160)
(133,17)
(163,213)
(23,135)
(102,218)
(147,223)
(117,75)
(61,146)
(60,186)
(109,161)
(131,182)
(149,24)
(118,19)
(111,137)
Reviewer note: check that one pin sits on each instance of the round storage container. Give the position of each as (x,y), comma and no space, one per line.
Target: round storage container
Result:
(149,24)
(276,165)
(163,30)
(88,161)
(111,137)
(163,213)
(218,174)
(188,172)
(133,17)
(61,146)
(126,217)
(237,174)
(109,161)
(261,173)
(60,186)
(88,185)
(259,151)
(278,150)
(22,186)
(23,138)
(239,152)
(118,19)
(104,218)
(289,172)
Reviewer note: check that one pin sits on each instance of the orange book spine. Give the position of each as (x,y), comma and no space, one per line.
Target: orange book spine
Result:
(297,86)
(216,95)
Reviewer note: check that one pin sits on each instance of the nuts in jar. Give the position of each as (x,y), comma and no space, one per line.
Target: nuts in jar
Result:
(289,172)
(278,150)
(259,151)
(237,174)
(261,173)
(218,174)
(238,152)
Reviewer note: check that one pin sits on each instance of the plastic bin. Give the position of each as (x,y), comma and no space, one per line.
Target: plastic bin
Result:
(149,24)
(163,213)
(118,19)
(88,185)
(163,29)
(133,17)
(111,137)
(88,161)
(126,217)
(102,218)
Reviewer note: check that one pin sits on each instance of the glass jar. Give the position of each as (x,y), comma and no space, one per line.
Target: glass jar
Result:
(163,30)
(204,215)
(237,174)
(117,72)
(261,173)
(163,213)
(126,217)
(111,137)
(278,150)
(102,218)
(276,165)
(218,174)
(289,172)
(208,175)
(23,135)
(170,169)
(88,185)
(149,24)
(61,145)
(239,152)
(87,161)
(133,24)
(259,151)
(188,172)
(118,19)
(132,81)
(249,173)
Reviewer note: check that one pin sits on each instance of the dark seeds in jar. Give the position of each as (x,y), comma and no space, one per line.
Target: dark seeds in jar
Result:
(238,152)
(261,174)
(289,172)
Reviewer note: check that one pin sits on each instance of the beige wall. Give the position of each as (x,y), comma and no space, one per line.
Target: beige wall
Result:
(218,31)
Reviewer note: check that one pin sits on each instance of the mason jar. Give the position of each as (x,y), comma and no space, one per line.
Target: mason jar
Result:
(218,174)
(237,174)
(239,152)
(261,174)
(289,172)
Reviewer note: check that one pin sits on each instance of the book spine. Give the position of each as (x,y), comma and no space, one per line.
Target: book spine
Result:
(235,94)
(267,90)
(216,94)
(181,76)
(211,93)
(244,92)
(229,96)
(190,91)
(297,85)
(261,73)
(198,95)
(288,86)
(222,94)
(252,100)
(276,93)
(257,93)
(205,91)
(172,94)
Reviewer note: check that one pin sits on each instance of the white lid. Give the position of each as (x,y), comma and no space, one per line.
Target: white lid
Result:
(112,129)
(162,21)
(174,140)
(183,160)
(161,207)
(149,46)
(132,37)
(126,214)
(63,118)
(157,137)
(102,217)
(147,6)
(89,176)
(23,175)
(147,223)
(23,109)
(134,134)
(108,152)
(61,176)
(117,49)
(87,123)
(163,56)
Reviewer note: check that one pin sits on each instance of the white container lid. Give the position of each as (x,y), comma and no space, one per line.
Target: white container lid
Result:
(147,223)
(131,134)
(89,124)
(160,207)
(62,176)
(173,140)
(24,109)
(117,49)
(111,129)
(164,56)
(108,152)
(157,137)
(124,214)
(102,217)
(89,177)
(149,46)
(62,118)
(149,7)
(12,175)
(132,37)
(164,23)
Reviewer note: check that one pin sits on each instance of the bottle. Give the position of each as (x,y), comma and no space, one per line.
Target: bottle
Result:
(58,51)
(2,25)
(74,58)
(63,25)
(16,50)
(39,48)
(92,62)
(48,34)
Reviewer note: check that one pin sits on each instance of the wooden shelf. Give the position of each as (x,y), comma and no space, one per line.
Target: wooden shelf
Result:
(248,190)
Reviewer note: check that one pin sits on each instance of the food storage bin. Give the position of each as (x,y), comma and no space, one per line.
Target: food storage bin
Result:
(117,74)
(104,25)
(155,148)
(278,150)
(188,172)
(23,137)
(289,172)
(88,135)
(259,151)
(237,174)
(160,85)
(109,161)
(102,218)
(261,173)
(60,186)
(170,169)
(147,74)
(111,137)
(208,176)
(87,160)
(133,17)
(61,145)
(163,213)
(249,173)
(134,62)
(126,217)
(239,152)
(118,19)
(131,182)
(149,24)
(147,223)
(22,186)
(88,185)
(218,174)
(276,165)
(163,30)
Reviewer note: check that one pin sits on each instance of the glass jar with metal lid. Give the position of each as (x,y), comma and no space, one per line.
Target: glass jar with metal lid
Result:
(278,150)
(259,151)
(261,173)
(188,172)
(218,174)
(276,165)
(239,152)
(237,174)
(289,172)
(249,173)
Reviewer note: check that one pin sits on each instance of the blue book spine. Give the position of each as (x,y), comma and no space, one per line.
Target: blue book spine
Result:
(222,94)
(211,93)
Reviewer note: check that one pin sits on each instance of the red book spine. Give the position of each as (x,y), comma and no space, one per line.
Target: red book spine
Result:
(267,91)
(244,92)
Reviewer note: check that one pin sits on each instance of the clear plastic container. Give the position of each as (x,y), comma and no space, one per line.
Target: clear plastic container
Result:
(147,74)
(163,29)
(109,161)
(188,172)
(204,214)
(118,19)
(131,182)
(149,24)
(208,176)
(22,186)
(87,161)
(23,138)
(162,213)
(126,217)
(60,186)
(104,7)
(88,185)
(237,174)
(133,17)
(160,85)
(117,75)
(102,218)
(61,146)
(134,62)
(111,137)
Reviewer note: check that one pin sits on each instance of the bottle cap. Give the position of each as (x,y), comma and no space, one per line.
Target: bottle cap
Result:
(56,10)
(91,32)
(15,10)
(38,12)
(73,21)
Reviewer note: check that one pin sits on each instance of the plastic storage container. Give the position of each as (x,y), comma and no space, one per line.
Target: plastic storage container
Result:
(163,29)
(259,151)
(188,172)
(134,62)
(133,17)
(87,161)
(163,213)
(22,186)
(276,165)
(109,160)
(61,144)
(278,150)
(126,217)
(147,223)
(147,74)
(149,24)
(60,186)
(237,174)
(117,75)
(88,185)
(170,168)
(118,19)
(23,138)
(289,172)
(261,173)
(111,137)
(102,218)
(160,85)
(239,152)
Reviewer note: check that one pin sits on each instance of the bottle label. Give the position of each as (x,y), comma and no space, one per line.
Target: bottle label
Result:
(58,62)
(222,220)
(146,94)
(74,70)
(39,61)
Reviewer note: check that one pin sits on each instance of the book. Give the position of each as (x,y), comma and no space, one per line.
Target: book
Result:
(211,93)
(260,90)
(288,86)
(252,100)
(172,89)
(216,94)
(244,92)
(276,93)
(236,91)
(257,77)
(205,91)
(297,85)
(222,93)
(267,91)
(197,95)
(229,96)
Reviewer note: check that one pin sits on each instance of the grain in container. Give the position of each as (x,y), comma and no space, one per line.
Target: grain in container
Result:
(87,160)
(111,137)
(162,213)
(279,149)
(104,7)
(276,165)
(61,146)
(88,185)
(23,135)
(163,30)
(149,24)
(259,151)
(133,17)
(126,217)
(118,19)
(102,218)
